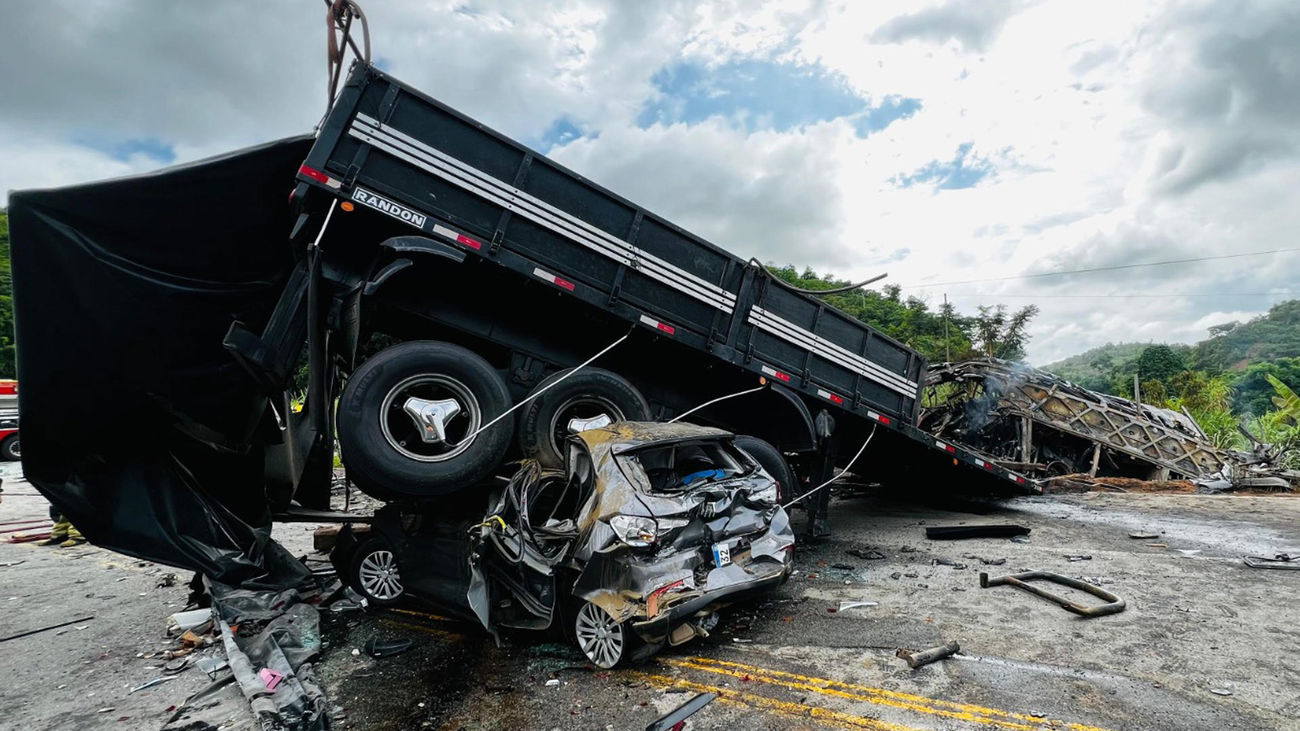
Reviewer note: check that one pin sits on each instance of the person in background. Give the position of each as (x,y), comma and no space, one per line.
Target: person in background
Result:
(64,534)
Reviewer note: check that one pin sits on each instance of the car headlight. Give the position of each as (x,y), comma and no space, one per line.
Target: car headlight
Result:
(765,494)
(635,530)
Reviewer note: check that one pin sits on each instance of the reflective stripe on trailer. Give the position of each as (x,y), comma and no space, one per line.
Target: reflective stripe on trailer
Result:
(830,351)
(880,418)
(982,463)
(553,279)
(404,147)
(458,237)
(831,397)
(776,374)
(661,326)
(945,447)
(320,177)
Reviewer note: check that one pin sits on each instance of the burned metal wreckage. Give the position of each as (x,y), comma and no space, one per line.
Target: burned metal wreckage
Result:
(1032,421)
(635,545)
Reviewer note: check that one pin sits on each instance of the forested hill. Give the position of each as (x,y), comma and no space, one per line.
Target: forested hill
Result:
(1241,354)
(1231,346)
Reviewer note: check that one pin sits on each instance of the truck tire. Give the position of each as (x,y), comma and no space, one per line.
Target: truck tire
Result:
(771,460)
(587,394)
(10,450)
(387,452)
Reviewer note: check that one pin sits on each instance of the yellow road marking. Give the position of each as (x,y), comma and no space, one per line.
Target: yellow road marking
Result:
(762,702)
(422,615)
(421,628)
(878,696)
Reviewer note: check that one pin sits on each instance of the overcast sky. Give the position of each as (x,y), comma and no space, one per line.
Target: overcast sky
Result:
(939,142)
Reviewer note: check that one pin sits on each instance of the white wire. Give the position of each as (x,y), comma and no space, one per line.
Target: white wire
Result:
(534,395)
(842,472)
(714,401)
(328,215)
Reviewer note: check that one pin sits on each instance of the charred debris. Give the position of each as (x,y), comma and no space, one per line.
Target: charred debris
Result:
(1043,426)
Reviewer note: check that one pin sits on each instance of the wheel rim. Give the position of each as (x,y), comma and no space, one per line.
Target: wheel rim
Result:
(599,636)
(406,434)
(16,449)
(379,576)
(582,408)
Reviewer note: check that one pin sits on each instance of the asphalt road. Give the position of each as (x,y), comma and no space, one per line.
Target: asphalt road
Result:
(1205,643)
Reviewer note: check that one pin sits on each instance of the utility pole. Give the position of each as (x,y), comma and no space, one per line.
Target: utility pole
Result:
(947,350)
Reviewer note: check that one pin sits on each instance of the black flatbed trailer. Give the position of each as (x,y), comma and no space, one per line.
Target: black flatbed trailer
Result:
(535,267)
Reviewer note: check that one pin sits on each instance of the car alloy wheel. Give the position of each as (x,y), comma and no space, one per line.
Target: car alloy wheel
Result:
(600,637)
(379,577)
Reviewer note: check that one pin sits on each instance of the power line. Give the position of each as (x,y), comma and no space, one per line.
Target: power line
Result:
(1154,295)
(1102,269)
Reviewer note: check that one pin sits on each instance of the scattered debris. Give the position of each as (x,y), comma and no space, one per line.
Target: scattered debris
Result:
(871,555)
(1279,561)
(1188,551)
(46,629)
(182,622)
(1113,605)
(925,657)
(176,666)
(1020,539)
(271,678)
(375,648)
(947,562)
(212,665)
(959,532)
(167,581)
(1144,536)
(842,566)
(1157,545)
(553,682)
(1220,691)
(846,605)
(152,683)
(675,718)
(1075,558)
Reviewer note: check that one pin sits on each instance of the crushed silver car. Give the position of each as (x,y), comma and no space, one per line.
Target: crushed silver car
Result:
(646,533)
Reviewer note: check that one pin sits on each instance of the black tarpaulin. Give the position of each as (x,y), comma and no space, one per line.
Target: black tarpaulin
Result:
(137,423)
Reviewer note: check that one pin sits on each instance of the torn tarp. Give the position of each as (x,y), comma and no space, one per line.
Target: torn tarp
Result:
(137,423)
(276,631)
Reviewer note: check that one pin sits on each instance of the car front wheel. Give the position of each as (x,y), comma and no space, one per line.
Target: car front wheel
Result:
(375,574)
(601,637)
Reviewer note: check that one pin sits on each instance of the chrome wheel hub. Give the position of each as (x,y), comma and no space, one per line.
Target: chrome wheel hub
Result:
(429,417)
(379,576)
(600,637)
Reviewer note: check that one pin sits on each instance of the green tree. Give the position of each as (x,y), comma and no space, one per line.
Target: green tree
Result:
(1254,392)
(1000,335)
(1159,363)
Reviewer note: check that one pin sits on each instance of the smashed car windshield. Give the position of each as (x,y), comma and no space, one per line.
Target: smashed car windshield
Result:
(682,465)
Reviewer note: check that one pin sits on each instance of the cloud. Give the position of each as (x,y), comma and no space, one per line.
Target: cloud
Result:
(951,141)
(767,195)
(972,24)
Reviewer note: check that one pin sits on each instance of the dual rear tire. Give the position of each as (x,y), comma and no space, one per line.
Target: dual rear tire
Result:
(411,418)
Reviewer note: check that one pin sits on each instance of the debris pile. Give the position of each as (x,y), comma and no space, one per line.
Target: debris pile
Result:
(1033,422)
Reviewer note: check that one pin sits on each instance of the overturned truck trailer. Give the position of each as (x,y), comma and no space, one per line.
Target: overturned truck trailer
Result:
(1042,425)
(435,274)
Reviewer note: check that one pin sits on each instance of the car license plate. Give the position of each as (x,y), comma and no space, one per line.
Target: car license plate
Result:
(721,554)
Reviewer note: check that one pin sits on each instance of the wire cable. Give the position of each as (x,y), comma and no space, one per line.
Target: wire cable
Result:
(535,394)
(816,292)
(1103,269)
(714,401)
(842,473)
